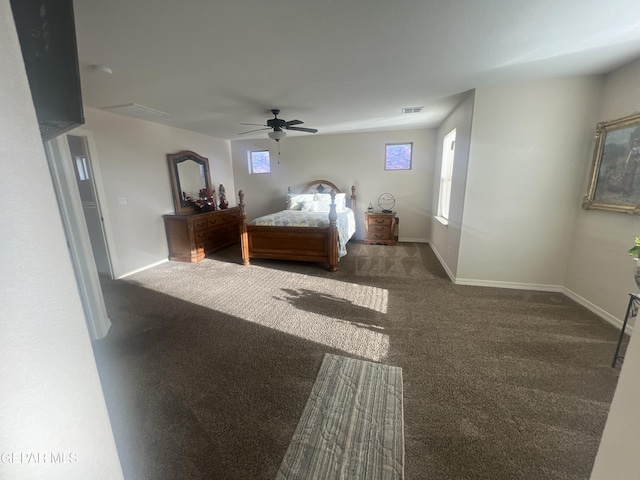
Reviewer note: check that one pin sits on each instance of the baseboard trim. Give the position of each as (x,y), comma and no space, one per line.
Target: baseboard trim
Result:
(444,265)
(141,269)
(512,285)
(413,240)
(616,322)
(606,316)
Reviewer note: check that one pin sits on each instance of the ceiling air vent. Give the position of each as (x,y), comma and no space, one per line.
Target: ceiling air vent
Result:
(412,109)
(135,110)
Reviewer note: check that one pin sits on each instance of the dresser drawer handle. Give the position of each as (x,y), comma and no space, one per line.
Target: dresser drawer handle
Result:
(201,224)
(378,236)
(379,228)
(212,221)
(379,221)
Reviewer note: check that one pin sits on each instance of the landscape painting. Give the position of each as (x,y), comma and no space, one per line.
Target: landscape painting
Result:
(614,183)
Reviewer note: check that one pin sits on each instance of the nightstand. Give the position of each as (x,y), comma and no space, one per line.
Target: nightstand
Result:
(381,228)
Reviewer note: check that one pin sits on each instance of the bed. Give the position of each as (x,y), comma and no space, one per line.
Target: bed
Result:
(315,227)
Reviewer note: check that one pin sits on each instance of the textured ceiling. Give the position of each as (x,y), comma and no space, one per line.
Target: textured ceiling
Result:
(338,65)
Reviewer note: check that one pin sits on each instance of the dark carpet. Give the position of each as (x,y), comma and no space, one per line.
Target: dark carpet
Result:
(208,366)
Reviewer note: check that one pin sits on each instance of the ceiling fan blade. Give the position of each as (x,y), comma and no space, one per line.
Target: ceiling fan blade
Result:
(256,124)
(256,130)
(293,122)
(303,129)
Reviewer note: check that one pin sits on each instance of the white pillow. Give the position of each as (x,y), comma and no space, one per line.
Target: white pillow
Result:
(294,202)
(313,206)
(325,201)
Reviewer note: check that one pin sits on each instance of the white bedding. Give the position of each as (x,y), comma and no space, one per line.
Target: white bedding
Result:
(346,223)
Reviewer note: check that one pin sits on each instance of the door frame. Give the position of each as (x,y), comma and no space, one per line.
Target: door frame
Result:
(95,178)
(72,214)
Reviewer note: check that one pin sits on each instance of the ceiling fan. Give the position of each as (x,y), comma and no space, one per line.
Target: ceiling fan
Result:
(278,125)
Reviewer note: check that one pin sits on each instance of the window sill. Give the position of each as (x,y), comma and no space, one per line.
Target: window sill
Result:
(442,220)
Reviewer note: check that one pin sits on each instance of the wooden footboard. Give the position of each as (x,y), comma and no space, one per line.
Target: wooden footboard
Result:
(309,244)
(292,243)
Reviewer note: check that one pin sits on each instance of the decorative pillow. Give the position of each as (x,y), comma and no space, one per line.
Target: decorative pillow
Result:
(325,201)
(294,202)
(313,206)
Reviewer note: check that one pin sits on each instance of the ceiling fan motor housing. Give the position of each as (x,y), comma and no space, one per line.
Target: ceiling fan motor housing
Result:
(278,124)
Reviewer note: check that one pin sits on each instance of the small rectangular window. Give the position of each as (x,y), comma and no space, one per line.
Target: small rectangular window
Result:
(82,169)
(259,162)
(398,156)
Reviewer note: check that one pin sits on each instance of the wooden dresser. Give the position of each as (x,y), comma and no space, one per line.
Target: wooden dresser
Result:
(380,228)
(192,237)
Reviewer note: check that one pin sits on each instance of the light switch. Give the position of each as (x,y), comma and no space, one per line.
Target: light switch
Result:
(122,200)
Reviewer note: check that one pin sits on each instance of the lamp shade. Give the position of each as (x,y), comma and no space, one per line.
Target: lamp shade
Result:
(277,135)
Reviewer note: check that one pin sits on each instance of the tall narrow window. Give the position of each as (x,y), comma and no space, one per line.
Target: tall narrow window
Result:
(398,156)
(259,162)
(446,175)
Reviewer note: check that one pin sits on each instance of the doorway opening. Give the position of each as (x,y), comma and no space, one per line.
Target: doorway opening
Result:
(81,214)
(85,179)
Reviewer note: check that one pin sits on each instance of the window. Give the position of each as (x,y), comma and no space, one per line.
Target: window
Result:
(259,162)
(81,168)
(398,156)
(446,175)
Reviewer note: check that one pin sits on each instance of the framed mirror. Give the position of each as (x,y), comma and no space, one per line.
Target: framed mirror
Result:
(189,173)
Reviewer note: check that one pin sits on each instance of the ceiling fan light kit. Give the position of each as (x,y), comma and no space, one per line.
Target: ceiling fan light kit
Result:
(277,125)
(277,135)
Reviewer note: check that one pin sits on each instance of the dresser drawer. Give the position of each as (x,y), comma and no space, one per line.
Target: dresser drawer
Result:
(200,224)
(229,216)
(374,220)
(215,221)
(379,233)
(202,235)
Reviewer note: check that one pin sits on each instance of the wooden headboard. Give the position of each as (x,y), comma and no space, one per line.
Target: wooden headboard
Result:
(320,186)
(325,186)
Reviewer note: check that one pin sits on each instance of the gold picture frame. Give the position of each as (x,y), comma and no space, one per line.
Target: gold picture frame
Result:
(614,183)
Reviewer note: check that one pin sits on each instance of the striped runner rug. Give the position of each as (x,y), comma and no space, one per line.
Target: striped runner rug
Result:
(351,426)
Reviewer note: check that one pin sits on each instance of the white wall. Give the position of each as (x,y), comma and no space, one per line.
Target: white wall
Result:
(599,268)
(530,145)
(601,271)
(445,239)
(51,400)
(346,160)
(133,163)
